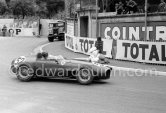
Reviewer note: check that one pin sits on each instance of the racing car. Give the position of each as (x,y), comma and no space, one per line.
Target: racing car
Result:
(28,67)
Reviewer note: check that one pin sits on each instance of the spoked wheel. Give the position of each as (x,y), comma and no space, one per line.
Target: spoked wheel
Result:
(24,73)
(85,76)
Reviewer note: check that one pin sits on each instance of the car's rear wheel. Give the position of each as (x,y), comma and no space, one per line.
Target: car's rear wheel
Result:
(25,73)
(85,76)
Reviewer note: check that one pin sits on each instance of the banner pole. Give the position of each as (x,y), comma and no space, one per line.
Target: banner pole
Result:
(146,3)
(74,16)
(96,18)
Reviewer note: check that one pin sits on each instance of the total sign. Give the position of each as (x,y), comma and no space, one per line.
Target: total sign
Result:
(150,52)
(133,31)
(84,44)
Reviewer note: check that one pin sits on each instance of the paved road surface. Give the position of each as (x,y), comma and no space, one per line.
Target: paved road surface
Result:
(120,94)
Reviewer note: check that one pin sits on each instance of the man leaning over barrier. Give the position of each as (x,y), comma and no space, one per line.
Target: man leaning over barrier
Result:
(96,57)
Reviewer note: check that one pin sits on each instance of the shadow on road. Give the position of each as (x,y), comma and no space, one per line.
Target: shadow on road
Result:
(67,81)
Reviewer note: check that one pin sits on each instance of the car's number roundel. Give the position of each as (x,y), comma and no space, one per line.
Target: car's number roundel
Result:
(19,60)
(63,62)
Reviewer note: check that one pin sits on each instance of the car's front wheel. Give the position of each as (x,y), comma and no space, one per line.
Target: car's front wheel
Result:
(24,73)
(84,76)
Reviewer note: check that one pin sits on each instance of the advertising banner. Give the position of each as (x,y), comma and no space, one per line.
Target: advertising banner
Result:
(11,27)
(27,27)
(70,42)
(70,28)
(133,30)
(84,44)
(149,52)
(23,31)
(28,23)
(107,47)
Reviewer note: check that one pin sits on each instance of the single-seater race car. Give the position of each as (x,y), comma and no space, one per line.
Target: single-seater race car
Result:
(26,68)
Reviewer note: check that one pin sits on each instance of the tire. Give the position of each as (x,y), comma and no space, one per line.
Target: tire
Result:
(50,39)
(13,69)
(23,73)
(84,76)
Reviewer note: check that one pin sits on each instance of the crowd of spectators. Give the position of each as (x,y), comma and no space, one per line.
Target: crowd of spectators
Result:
(162,6)
(131,6)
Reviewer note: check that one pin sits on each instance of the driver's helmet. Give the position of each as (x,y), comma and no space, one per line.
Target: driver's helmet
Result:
(45,55)
(39,55)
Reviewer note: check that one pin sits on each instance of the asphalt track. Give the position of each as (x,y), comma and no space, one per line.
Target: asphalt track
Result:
(124,92)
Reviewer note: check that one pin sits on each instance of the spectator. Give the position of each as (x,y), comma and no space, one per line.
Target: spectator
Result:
(4,30)
(162,6)
(39,56)
(40,27)
(131,6)
(119,7)
(96,57)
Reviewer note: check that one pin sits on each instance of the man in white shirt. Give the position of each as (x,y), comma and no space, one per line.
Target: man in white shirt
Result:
(96,57)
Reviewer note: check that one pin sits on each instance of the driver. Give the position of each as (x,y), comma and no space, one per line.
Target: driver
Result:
(39,56)
(45,55)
